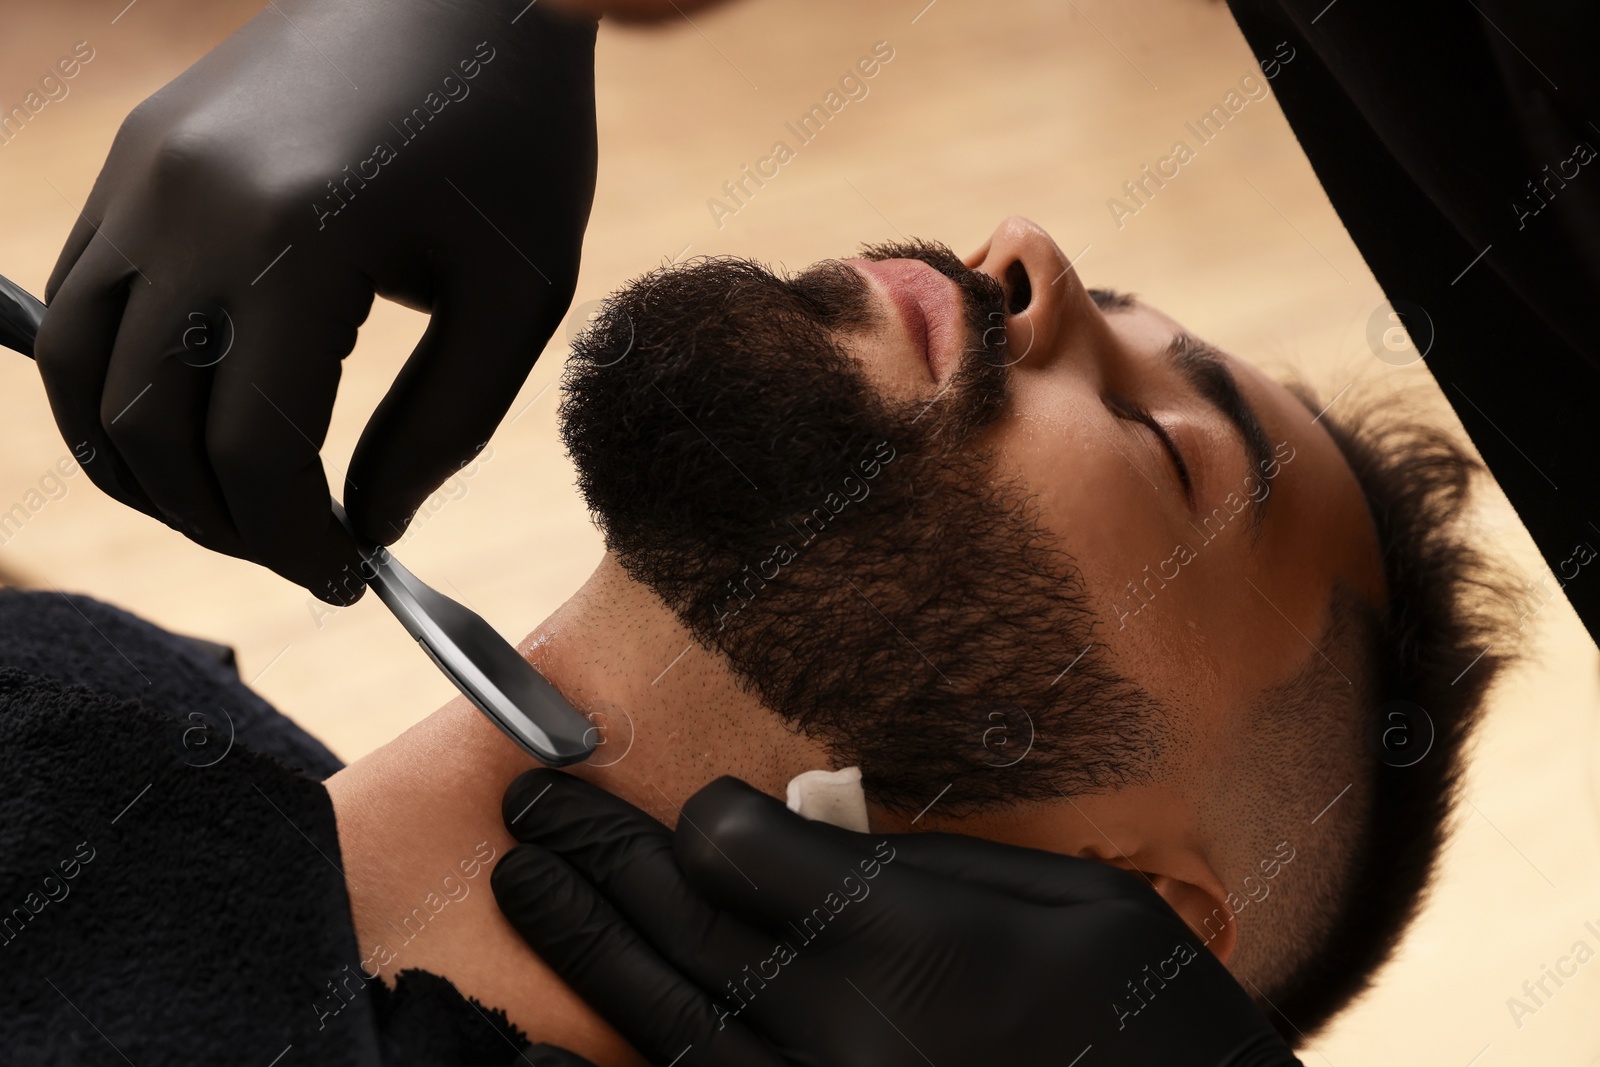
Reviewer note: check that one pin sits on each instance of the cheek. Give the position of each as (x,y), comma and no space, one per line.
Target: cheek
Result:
(1089,494)
(1113,523)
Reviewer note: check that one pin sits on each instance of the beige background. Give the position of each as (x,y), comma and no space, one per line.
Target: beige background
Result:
(986,109)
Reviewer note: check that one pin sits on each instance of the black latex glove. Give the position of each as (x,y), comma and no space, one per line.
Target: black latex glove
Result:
(440,154)
(846,949)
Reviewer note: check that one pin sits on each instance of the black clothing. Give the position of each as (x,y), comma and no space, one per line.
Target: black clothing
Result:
(1460,144)
(77,639)
(168,897)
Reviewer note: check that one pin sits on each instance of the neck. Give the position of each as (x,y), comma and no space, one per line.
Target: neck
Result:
(671,714)
(673,717)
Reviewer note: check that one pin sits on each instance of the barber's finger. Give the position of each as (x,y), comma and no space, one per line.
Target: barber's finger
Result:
(83,231)
(741,836)
(444,405)
(271,400)
(73,352)
(628,856)
(749,853)
(92,217)
(611,966)
(1027,874)
(160,382)
(563,812)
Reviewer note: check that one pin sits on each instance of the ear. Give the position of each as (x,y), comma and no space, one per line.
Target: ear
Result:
(1204,909)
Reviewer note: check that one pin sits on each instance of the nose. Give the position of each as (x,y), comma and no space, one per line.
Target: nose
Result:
(1041,288)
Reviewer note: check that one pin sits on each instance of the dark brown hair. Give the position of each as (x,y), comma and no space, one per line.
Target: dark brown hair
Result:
(1431,653)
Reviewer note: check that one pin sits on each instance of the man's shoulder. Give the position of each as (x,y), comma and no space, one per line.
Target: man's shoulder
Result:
(80,639)
(189,892)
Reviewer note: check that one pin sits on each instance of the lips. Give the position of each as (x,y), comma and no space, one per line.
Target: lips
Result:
(930,308)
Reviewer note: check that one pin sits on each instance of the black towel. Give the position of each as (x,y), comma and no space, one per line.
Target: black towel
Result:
(166,897)
(78,639)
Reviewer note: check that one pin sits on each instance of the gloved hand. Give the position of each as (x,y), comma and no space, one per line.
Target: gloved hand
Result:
(753,938)
(439,154)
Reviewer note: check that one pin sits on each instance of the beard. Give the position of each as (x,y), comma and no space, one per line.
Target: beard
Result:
(861,561)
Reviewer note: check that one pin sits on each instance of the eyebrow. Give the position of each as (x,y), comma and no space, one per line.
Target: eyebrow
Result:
(1208,374)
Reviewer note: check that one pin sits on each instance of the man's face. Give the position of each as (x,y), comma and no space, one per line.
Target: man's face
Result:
(928,510)
(1209,546)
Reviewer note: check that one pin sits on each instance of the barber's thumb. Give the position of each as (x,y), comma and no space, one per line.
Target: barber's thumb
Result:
(747,852)
(1025,874)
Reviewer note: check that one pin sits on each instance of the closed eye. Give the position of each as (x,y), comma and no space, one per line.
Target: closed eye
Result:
(1126,409)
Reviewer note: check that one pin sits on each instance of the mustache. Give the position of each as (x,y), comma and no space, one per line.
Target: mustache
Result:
(839,298)
(982,296)
(980,382)
(984,290)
